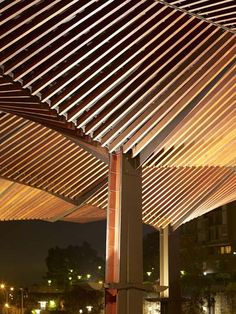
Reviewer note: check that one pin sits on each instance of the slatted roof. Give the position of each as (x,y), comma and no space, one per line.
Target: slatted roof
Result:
(21,202)
(43,160)
(152,78)
(37,157)
(220,12)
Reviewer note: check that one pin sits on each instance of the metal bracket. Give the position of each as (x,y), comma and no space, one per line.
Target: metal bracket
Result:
(146,287)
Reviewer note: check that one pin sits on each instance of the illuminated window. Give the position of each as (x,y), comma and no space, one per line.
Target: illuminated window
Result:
(225,249)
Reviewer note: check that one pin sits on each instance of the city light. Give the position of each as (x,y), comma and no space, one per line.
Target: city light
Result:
(183,272)
(88,276)
(52,304)
(43,304)
(2,286)
(89,308)
(149,273)
(99,267)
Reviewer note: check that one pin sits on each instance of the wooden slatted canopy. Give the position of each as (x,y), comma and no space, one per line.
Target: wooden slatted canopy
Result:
(43,159)
(155,79)
(21,202)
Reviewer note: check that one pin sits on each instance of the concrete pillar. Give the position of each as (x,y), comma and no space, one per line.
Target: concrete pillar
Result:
(124,265)
(170,271)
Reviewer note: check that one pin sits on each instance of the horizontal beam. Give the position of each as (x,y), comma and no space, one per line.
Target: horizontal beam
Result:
(199,16)
(82,199)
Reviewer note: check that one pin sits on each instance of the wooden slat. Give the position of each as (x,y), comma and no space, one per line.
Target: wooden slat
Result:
(155,79)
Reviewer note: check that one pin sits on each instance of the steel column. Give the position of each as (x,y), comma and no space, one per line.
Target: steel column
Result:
(170,271)
(124,265)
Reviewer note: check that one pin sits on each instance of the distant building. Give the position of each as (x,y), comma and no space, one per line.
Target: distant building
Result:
(208,251)
(215,234)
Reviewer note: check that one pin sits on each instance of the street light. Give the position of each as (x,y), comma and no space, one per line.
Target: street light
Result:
(89,308)
(88,276)
(6,290)
(3,288)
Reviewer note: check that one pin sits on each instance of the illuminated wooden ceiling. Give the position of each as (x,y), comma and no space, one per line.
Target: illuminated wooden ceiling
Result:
(39,160)
(21,202)
(152,78)
(38,157)
(221,12)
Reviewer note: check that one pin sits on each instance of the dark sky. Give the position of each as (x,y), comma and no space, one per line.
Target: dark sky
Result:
(24,246)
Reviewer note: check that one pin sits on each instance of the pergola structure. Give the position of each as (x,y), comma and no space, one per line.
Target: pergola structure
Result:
(122,110)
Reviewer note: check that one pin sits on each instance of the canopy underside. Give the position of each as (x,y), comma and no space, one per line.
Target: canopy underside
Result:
(80,80)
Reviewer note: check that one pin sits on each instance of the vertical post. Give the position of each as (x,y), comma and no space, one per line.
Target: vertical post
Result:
(22,300)
(170,271)
(164,261)
(124,265)
(164,268)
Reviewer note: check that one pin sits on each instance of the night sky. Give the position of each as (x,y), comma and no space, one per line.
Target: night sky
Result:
(24,246)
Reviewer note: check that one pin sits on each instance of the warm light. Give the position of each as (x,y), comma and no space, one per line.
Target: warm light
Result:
(205,308)
(89,308)
(99,267)
(71,270)
(100,282)
(204,273)
(225,249)
(52,304)
(149,273)
(7,305)
(81,311)
(183,272)
(49,282)
(12,288)
(2,286)
(70,278)
(42,304)
(234,253)
(79,277)
(88,276)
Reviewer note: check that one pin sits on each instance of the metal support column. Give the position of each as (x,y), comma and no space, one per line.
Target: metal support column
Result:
(164,261)
(124,265)
(170,271)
